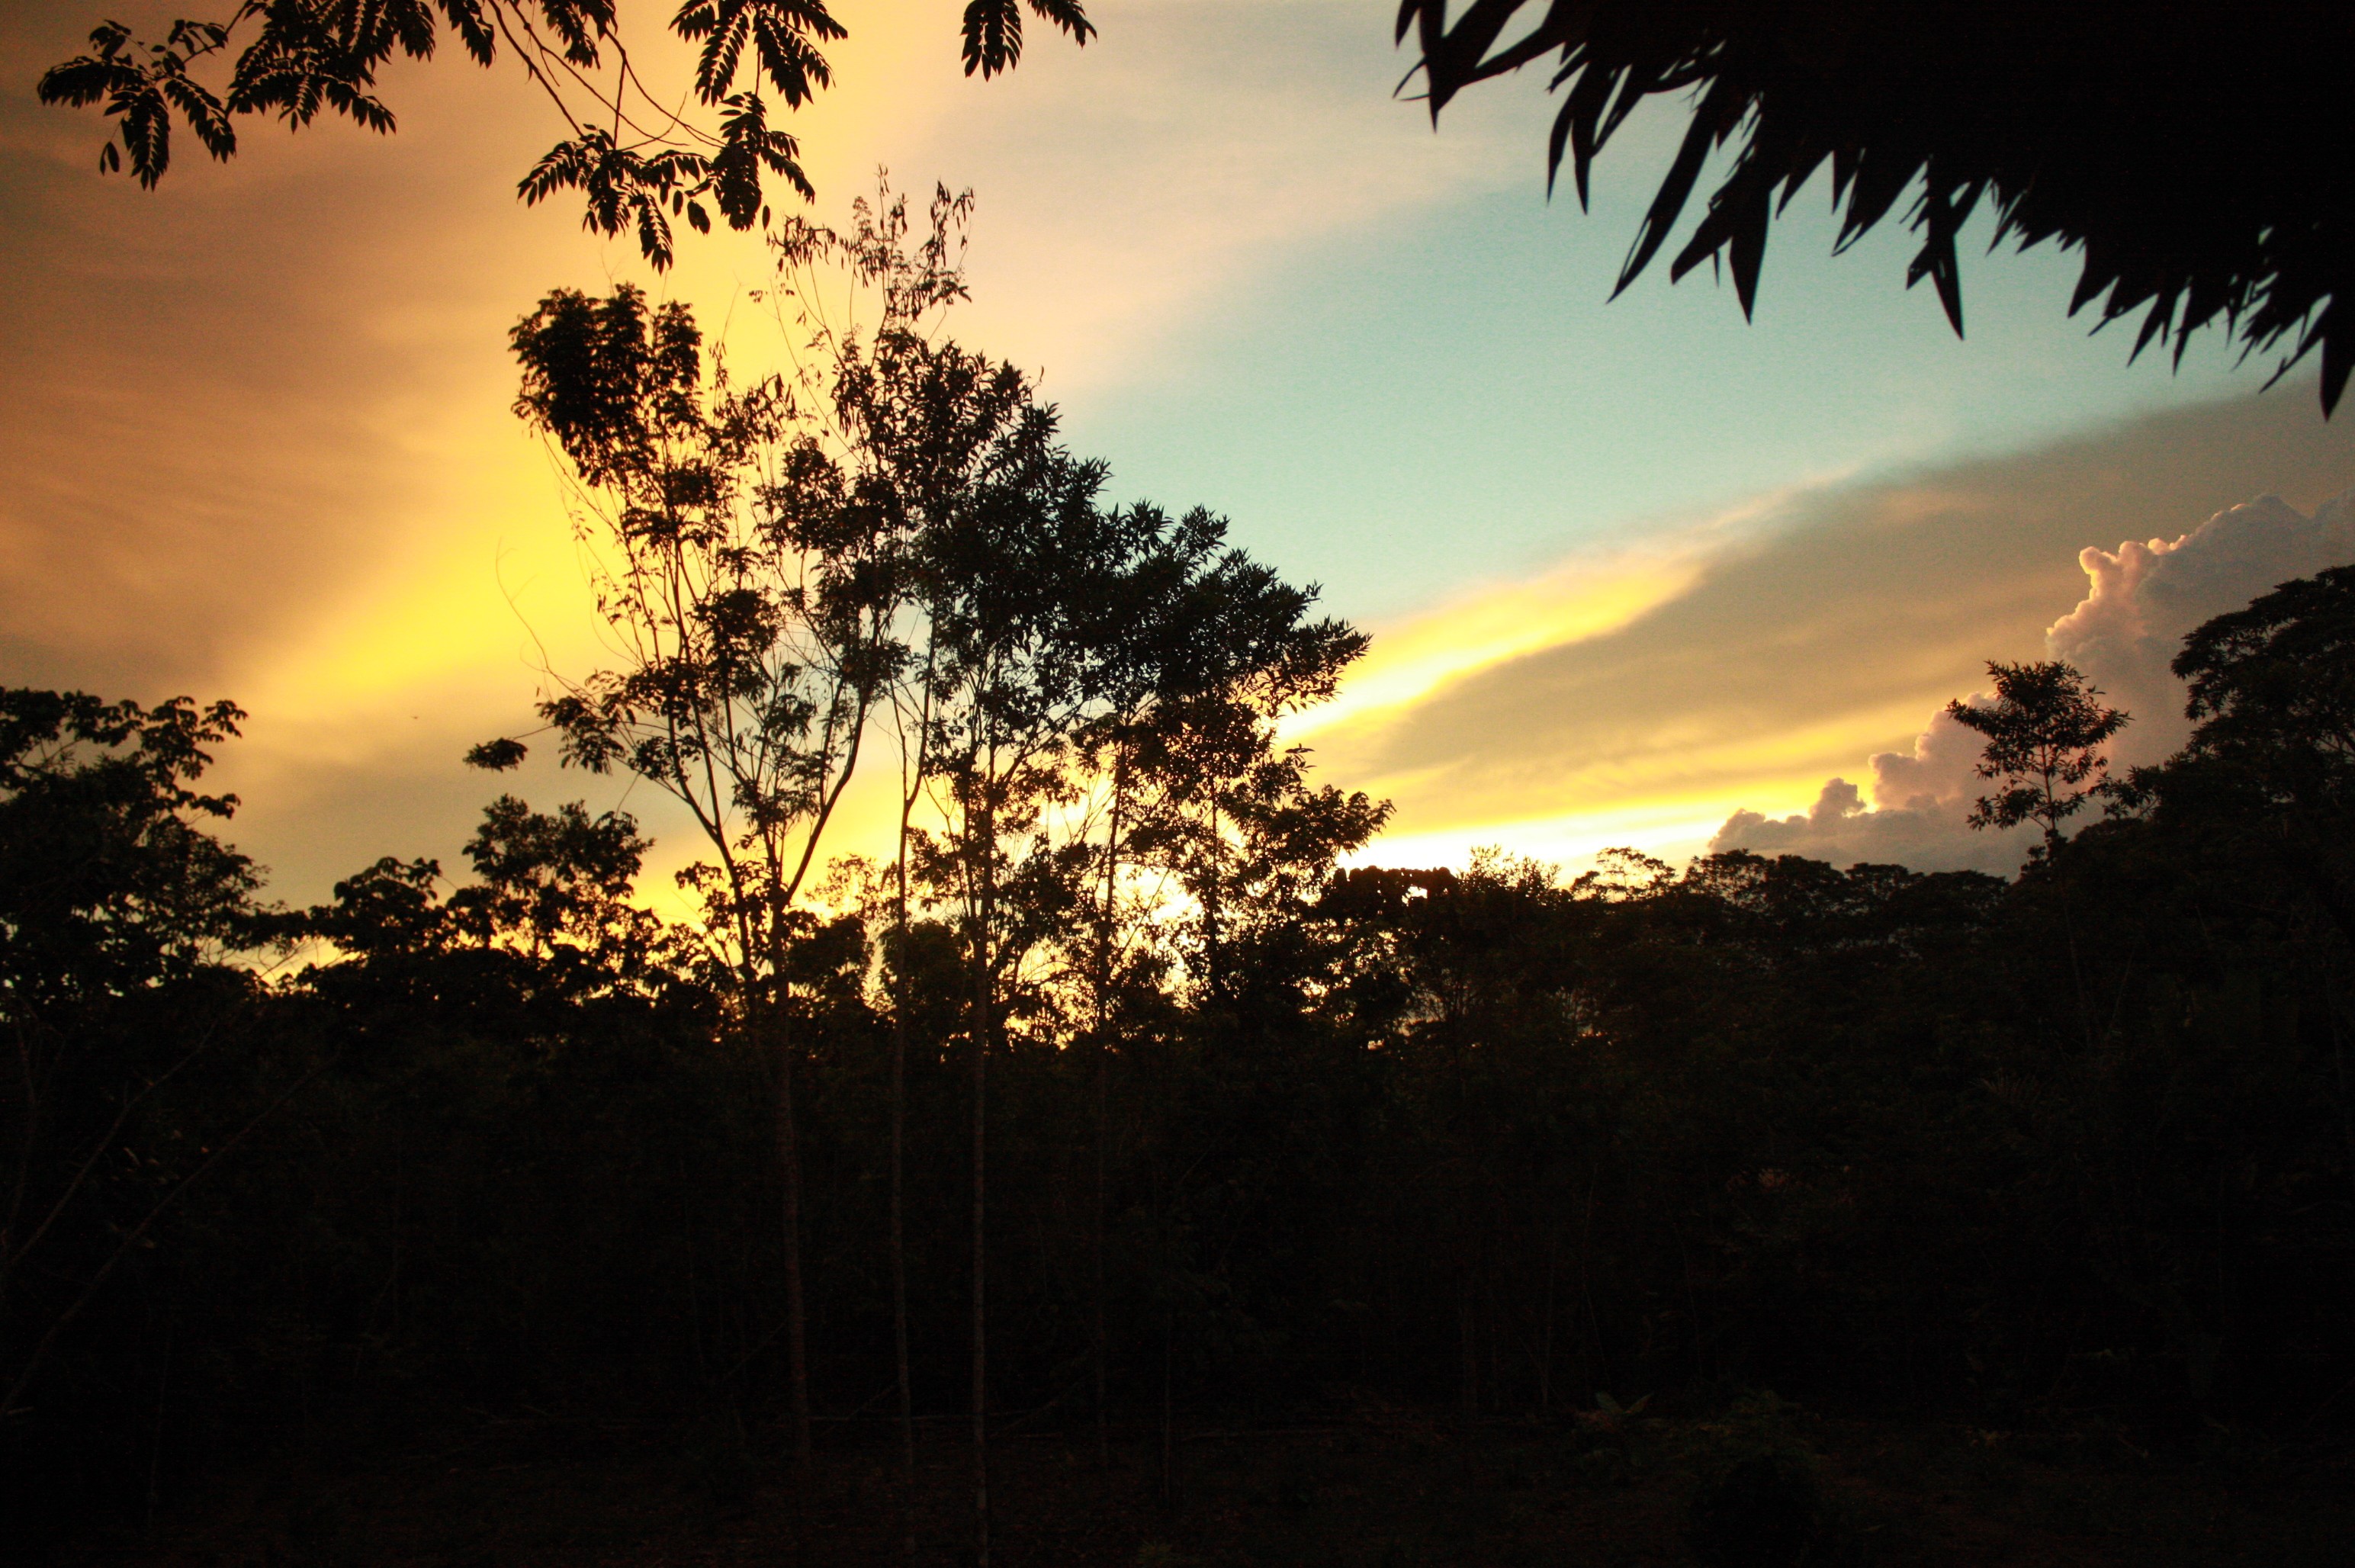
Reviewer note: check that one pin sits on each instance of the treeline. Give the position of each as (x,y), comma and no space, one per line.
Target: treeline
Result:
(1109,1101)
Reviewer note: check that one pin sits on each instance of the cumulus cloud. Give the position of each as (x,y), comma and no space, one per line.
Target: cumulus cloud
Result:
(1926,836)
(2146,594)
(2142,597)
(1919,799)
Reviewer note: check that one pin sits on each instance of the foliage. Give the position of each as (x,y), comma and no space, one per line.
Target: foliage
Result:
(2041,734)
(645,164)
(117,910)
(1216,1127)
(2075,125)
(109,883)
(2270,769)
(740,592)
(2273,693)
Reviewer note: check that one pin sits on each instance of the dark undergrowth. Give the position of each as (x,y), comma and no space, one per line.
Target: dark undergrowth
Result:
(1757,1484)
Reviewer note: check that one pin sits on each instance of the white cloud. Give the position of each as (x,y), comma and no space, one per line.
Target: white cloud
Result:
(2143,598)
(2146,595)
(1927,836)
(1936,775)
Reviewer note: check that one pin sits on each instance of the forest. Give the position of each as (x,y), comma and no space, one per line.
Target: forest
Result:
(1116,1103)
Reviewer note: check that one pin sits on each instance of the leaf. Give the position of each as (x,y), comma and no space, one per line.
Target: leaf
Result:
(993,36)
(497,756)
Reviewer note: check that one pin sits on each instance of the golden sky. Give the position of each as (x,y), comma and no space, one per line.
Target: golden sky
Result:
(1630,567)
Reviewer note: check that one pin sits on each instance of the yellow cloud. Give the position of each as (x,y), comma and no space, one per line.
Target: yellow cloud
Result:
(1643,699)
(1588,595)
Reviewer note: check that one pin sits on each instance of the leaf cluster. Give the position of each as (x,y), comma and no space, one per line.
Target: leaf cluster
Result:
(634,156)
(2188,153)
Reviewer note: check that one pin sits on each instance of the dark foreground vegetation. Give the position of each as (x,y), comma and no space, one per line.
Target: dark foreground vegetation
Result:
(1359,1486)
(1110,1177)
(2034,1195)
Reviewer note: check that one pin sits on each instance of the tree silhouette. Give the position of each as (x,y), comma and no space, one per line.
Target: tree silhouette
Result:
(1197,628)
(113,897)
(922,422)
(2273,699)
(2041,732)
(1009,683)
(1463,1140)
(636,154)
(2189,152)
(743,591)
(2272,688)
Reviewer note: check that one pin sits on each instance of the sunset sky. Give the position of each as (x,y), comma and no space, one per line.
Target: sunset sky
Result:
(1632,567)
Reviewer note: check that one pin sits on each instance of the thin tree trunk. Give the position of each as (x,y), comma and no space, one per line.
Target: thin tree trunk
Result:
(1164,1207)
(789,1156)
(1466,1329)
(1103,1091)
(1210,906)
(899,1196)
(1545,1334)
(1168,1411)
(156,1430)
(2053,842)
(982,984)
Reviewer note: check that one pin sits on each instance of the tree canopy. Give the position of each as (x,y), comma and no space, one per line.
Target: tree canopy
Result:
(2191,152)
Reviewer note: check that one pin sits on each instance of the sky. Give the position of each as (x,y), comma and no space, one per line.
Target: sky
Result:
(1637,572)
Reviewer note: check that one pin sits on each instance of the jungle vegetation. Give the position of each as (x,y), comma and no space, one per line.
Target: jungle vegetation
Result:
(1111,1098)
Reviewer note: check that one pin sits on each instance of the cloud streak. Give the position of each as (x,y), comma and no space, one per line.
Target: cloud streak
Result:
(259,428)
(262,448)
(1817,634)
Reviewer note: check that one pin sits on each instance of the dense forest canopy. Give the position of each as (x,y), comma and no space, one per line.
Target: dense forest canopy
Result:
(1116,1097)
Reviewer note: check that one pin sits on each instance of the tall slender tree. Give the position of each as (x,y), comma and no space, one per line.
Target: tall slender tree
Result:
(927,430)
(1013,671)
(745,586)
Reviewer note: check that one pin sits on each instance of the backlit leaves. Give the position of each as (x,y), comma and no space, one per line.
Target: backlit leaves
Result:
(748,146)
(636,163)
(2190,155)
(624,188)
(140,94)
(782,34)
(610,379)
(992,30)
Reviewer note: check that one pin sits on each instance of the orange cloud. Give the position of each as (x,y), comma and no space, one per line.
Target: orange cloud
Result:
(260,430)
